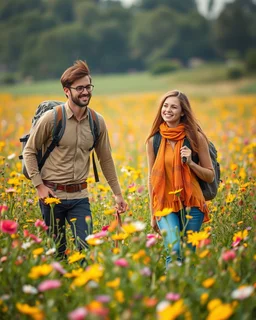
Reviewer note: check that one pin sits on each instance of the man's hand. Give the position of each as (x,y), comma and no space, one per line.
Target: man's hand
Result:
(121,205)
(43,192)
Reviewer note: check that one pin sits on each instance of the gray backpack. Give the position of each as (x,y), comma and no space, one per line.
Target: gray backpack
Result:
(58,131)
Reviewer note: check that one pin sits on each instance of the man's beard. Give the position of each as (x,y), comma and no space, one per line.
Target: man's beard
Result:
(77,101)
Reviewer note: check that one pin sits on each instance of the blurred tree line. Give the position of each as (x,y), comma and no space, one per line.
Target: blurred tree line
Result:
(40,38)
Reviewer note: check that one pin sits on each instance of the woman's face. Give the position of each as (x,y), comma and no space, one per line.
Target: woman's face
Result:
(171,111)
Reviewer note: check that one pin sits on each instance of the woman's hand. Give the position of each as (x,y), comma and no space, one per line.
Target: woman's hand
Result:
(186,153)
(154,224)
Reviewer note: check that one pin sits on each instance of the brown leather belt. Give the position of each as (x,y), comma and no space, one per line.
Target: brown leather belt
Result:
(66,187)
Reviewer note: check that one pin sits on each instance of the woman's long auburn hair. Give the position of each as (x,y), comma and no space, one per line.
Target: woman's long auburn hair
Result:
(192,126)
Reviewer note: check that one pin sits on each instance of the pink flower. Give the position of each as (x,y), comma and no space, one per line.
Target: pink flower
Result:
(228,255)
(140,189)
(8,226)
(104,228)
(151,242)
(103,298)
(41,224)
(3,208)
(236,242)
(78,314)
(121,262)
(49,285)
(172,296)
(100,234)
(31,236)
(58,267)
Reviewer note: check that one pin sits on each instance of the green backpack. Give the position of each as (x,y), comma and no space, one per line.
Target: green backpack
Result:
(58,131)
(209,189)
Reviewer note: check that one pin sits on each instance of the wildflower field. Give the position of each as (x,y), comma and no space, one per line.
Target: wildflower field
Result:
(126,278)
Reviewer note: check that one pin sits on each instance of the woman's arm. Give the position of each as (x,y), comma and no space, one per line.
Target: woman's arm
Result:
(204,170)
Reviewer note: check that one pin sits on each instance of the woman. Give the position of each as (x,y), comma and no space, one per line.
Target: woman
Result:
(173,169)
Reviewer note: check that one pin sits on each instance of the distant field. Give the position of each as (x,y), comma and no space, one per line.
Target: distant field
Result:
(202,81)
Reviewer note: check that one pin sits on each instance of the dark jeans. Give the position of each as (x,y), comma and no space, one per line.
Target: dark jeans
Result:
(172,224)
(76,213)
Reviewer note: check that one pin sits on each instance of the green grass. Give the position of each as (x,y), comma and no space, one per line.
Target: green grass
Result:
(249,88)
(200,81)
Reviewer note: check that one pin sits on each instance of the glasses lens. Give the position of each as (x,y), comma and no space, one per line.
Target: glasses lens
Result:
(80,89)
(89,87)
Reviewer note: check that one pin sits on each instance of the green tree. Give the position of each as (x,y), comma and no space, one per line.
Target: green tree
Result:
(55,50)
(177,5)
(235,27)
(154,33)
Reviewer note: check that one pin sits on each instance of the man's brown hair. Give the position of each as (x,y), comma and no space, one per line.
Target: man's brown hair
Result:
(79,70)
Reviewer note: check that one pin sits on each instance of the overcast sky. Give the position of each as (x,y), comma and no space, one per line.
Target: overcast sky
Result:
(202,5)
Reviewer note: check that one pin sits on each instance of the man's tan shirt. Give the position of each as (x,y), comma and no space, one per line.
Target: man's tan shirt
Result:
(69,162)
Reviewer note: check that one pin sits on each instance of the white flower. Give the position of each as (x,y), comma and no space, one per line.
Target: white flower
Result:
(50,251)
(27,288)
(26,245)
(162,306)
(11,156)
(242,293)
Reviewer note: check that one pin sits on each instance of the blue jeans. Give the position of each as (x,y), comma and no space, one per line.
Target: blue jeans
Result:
(172,224)
(77,209)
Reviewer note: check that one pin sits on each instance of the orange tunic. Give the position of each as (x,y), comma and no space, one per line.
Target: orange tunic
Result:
(174,202)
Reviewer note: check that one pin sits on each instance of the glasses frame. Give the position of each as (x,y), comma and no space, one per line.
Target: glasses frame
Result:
(84,87)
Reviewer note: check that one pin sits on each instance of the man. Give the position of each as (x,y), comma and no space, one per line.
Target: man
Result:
(66,169)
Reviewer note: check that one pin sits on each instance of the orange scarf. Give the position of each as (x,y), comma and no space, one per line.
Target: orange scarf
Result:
(182,175)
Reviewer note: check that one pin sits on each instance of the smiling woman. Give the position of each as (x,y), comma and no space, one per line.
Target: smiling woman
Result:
(173,168)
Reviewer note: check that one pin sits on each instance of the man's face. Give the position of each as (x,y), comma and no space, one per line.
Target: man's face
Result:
(80,92)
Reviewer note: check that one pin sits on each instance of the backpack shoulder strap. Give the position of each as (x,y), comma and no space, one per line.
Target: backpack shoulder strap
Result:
(156,142)
(57,133)
(94,125)
(59,121)
(95,129)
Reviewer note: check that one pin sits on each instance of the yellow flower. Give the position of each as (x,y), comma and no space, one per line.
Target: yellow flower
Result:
(109,211)
(93,272)
(134,227)
(163,213)
(140,254)
(90,180)
(204,297)
(204,253)
(119,295)
(213,304)
(51,200)
(40,271)
(196,237)
(176,192)
(167,311)
(120,236)
(38,251)
(113,284)
(189,217)
(221,312)
(73,219)
(240,234)
(208,282)
(230,198)
(34,312)
(74,273)
(76,257)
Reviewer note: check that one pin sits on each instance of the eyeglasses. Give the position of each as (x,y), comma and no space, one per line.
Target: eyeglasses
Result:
(80,89)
